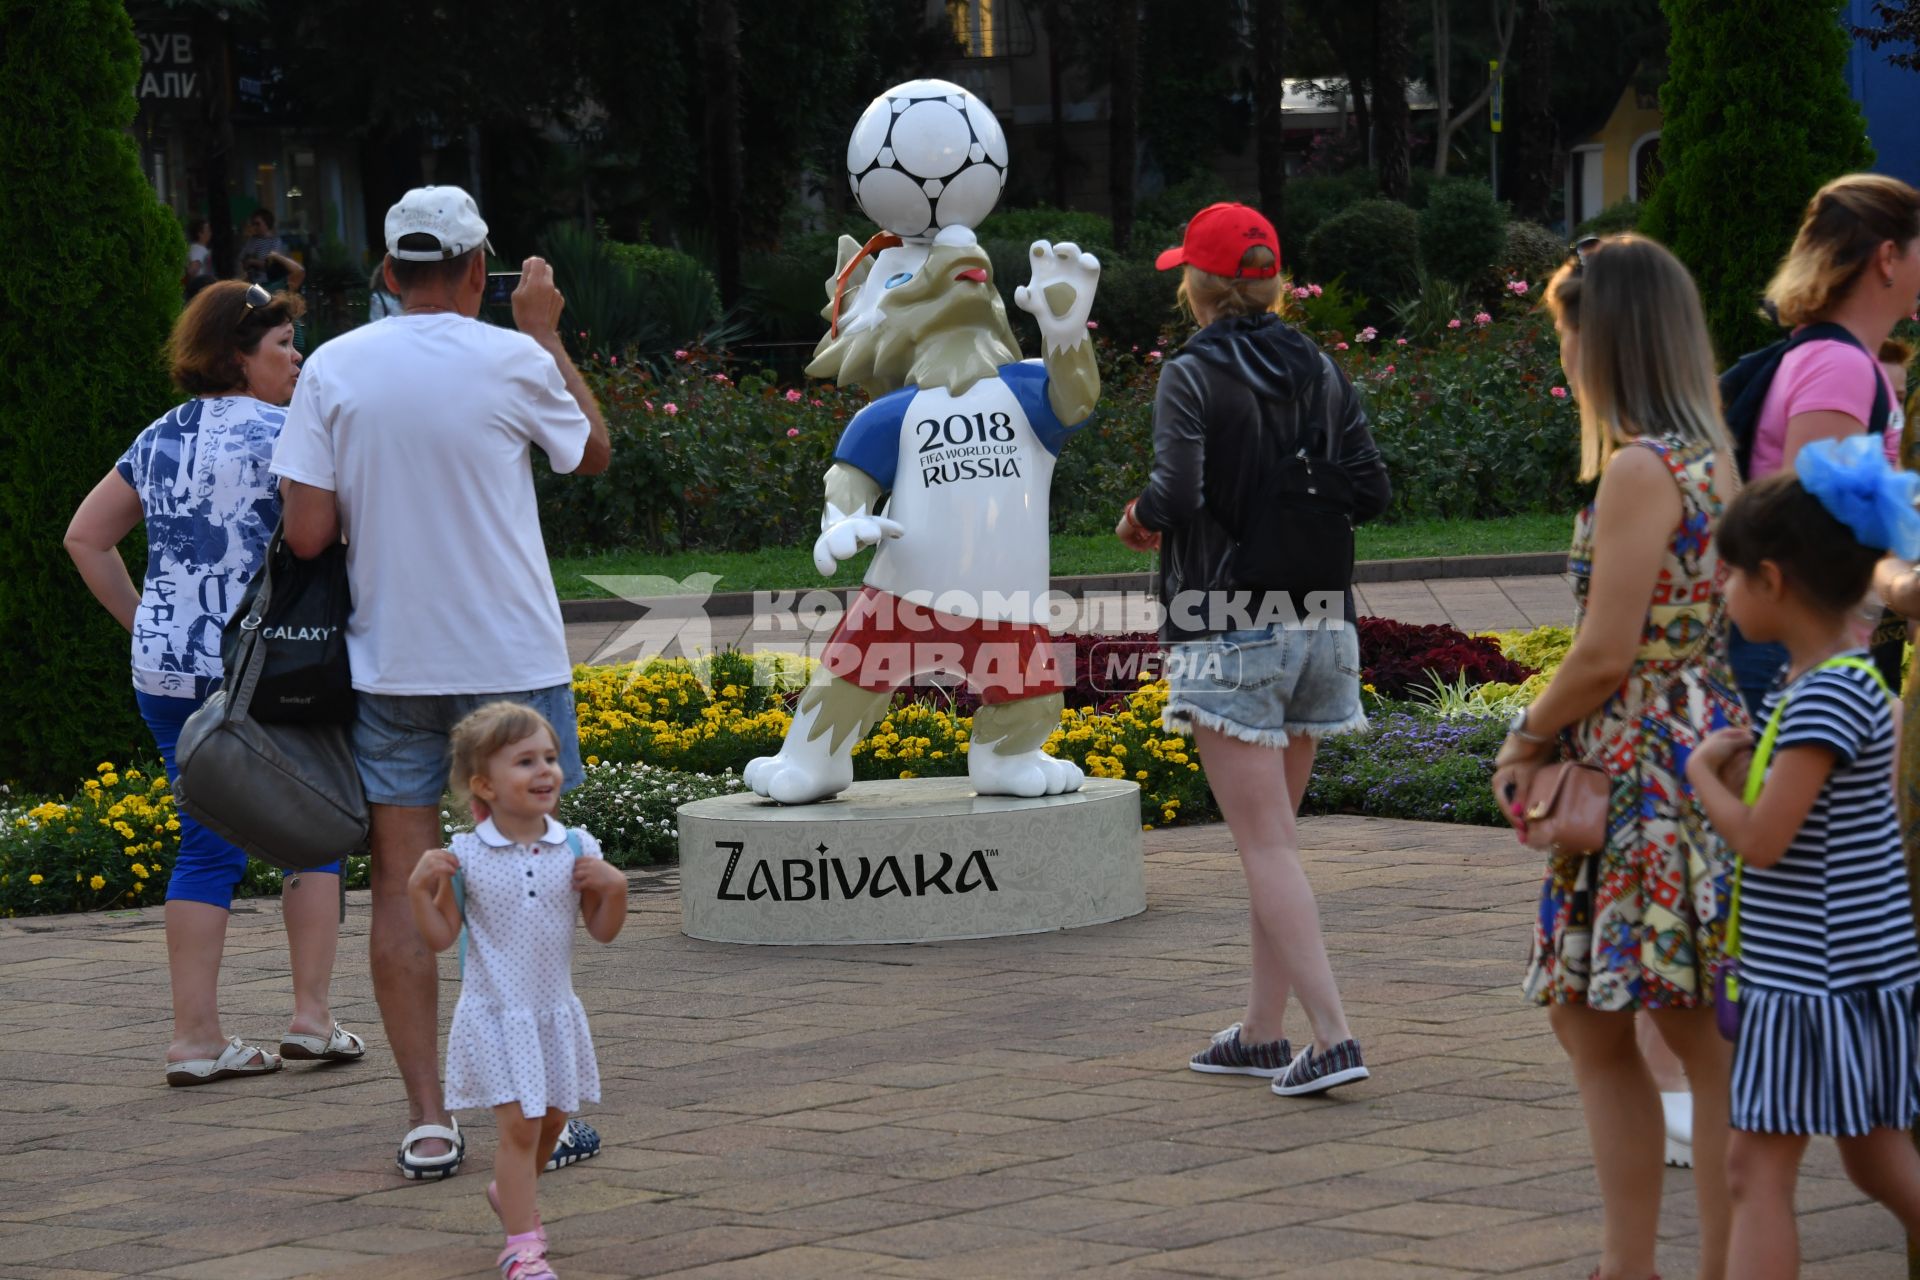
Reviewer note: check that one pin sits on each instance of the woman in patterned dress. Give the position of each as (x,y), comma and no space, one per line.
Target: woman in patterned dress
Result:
(1638,925)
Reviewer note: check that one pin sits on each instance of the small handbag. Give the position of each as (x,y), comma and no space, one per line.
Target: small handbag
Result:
(1567,805)
(1726,975)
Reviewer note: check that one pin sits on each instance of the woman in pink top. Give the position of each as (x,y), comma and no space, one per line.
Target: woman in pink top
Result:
(1855,263)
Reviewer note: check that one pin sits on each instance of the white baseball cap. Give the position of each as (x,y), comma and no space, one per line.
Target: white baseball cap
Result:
(446,215)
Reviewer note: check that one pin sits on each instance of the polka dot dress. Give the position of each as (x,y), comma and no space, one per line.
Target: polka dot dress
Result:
(519,1033)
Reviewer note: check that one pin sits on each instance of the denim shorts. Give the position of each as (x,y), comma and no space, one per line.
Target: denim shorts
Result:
(400,741)
(1267,684)
(205,868)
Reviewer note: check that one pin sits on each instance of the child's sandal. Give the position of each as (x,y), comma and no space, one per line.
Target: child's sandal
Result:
(524,1262)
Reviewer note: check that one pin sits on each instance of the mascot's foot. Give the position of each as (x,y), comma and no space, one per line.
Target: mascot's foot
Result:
(791,778)
(1030,773)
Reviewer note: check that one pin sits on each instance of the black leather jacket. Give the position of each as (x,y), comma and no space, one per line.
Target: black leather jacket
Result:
(1235,380)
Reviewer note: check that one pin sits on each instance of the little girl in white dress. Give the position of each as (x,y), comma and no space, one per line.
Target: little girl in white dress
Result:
(519,1043)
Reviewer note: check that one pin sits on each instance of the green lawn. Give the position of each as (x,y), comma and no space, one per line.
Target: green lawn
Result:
(784,568)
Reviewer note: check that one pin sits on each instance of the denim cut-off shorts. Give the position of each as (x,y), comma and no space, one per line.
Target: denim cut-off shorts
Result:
(1267,684)
(400,741)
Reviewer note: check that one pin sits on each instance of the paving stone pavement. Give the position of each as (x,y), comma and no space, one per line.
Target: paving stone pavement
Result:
(1472,604)
(1015,1107)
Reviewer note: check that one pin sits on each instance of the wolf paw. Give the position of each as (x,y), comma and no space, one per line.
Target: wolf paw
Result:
(787,779)
(1031,773)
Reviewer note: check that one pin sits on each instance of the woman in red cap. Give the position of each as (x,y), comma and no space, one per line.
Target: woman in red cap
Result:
(1262,464)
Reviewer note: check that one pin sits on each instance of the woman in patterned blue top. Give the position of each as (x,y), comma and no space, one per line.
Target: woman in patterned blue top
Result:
(1829,966)
(198,477)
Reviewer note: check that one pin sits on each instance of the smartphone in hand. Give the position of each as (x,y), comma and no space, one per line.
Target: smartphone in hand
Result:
(500,287)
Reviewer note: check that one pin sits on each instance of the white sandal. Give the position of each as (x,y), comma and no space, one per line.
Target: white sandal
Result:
(338,1045)
(238,1059)
(427,1167)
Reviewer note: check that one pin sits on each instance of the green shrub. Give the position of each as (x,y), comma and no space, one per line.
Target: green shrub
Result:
(1090,231)
(1463,231)
(632,809)
(1740,168)
(1425,317)
(1410,764)
(1310,202)
(1622,215)
(1533,253)
(1135,304)
(685,298)
(1372,248)
(784,294)
(91,287)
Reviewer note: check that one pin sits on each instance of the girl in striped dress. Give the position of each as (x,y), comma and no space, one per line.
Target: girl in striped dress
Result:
(1829,966)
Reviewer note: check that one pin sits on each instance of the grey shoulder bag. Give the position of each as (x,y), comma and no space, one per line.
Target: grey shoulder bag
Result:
(288,794)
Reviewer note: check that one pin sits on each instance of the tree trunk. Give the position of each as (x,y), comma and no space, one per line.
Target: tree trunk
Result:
(1390,118)
(1269,93)
(1123,120)
(720,61)
(1530,176)
(1447,123)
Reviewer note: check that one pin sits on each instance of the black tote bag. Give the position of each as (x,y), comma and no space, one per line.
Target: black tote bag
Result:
(304,676)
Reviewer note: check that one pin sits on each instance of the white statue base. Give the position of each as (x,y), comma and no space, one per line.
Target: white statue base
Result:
(909,860)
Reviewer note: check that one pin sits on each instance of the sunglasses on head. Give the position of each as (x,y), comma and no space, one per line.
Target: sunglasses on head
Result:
(257,296)
(1582,250)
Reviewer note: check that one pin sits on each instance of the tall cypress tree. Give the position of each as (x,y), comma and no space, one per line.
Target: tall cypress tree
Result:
(92,285)
(1741,164)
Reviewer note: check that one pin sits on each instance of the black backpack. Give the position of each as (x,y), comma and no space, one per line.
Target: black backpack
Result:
(1743,388)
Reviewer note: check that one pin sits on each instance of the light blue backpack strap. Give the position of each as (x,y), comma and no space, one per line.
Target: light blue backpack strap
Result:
(573,843)
(460,901)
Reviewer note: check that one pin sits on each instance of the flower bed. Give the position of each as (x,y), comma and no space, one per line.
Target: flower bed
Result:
(668,731)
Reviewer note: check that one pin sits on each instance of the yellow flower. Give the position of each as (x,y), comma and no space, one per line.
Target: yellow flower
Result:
(110,780)
(105,767)
(140,869)
(173,824)
(36,878)
(593,759)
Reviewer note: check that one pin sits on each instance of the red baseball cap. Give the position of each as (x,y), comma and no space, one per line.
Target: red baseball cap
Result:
(1218,236)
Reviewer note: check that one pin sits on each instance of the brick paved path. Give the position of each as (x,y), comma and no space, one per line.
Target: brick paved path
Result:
(1007,1108)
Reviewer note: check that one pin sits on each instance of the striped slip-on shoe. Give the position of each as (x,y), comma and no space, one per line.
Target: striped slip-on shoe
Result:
(1229,1055)
(1313,1072)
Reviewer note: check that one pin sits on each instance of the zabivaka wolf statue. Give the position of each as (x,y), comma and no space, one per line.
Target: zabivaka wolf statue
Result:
(947,472)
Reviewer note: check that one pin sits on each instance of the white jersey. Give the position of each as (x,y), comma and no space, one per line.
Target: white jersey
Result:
(969,477)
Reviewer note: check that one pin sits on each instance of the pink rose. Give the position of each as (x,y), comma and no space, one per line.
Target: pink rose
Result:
(649,405)
(1339,346)
(721,378)
(1483,319)
(814,403)
(792,432)
(1454,323)
(1153,355)
(1518,288)
(679,355)
(1389,369)
(1558,393)
(793,397)
(1367,334)
(672,408)
(1093,324)
(1303,293)
(614,359)
(1315,288)
(1399,342)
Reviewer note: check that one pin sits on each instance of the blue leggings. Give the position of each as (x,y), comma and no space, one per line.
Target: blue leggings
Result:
(206,869)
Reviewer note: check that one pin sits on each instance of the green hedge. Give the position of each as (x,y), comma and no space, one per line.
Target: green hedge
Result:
(1373,248)
(91,287)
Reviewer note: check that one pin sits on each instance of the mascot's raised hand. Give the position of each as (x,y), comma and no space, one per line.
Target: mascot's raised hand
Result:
(1059,293)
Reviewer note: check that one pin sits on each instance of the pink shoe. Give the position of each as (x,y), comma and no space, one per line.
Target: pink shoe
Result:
(524,1262)
(493,1201)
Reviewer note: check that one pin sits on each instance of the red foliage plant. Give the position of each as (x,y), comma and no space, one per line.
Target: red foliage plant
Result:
(1399,658)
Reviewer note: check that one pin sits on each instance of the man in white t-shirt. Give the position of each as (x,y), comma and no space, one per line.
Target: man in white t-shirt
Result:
(411,441)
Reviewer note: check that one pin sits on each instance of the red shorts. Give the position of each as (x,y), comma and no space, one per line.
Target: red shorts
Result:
(884,641)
